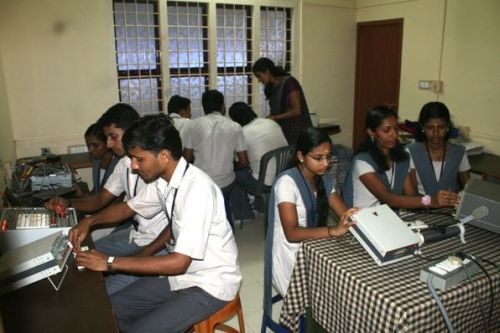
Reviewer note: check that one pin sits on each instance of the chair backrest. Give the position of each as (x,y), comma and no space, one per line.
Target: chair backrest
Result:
(342,163)
(283,156)
(269,299)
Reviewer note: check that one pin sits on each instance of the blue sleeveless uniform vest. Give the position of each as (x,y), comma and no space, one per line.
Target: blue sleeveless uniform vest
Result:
(309,200)
(399,176)
(425,170)
(96,173)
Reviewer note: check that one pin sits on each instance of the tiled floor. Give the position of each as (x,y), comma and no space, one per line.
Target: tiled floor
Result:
(250,240)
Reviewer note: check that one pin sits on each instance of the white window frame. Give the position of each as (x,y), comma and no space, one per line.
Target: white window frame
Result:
(296,12)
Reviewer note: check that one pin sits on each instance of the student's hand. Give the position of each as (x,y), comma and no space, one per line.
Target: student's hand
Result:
(93,260)
(344,223)
(78,233)
(446,198)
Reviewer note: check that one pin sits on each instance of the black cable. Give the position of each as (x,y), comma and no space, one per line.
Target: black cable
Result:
(430,258)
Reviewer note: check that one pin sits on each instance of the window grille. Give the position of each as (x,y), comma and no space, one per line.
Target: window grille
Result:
(188,51)
(137,45)
(275,42)
(234,53)
(187,71)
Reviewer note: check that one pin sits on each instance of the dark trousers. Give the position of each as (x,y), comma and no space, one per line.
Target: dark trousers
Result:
(226,193)
(149,306)
(240,205)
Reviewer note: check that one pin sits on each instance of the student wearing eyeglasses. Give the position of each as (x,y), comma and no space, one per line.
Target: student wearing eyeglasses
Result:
(300,200)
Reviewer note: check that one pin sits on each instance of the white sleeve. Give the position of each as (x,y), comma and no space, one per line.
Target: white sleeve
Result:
(361,167)
(241,144)
(412,163)
(188,135)
(333,189)
(286,190)
(114,184)
(464,164)
(196,223)
(146,203)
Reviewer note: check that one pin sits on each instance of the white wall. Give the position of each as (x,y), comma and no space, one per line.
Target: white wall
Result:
(328,62)
(59,65)
(6,136)
(457,42)
(59,69)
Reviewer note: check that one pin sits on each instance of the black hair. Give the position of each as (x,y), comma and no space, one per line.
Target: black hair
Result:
(433,110)
(154,133)
(96,131)
(242,113)
(263,64)
(374,119)
(121,115)
(177,103)
(308,139)
(212,100)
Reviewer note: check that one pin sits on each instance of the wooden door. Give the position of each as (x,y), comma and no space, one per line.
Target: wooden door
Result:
(378,70)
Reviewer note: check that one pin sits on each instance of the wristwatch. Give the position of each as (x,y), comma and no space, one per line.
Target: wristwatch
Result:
(110,263)
(426,200)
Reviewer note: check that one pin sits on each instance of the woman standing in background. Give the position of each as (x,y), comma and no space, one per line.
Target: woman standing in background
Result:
(286,98)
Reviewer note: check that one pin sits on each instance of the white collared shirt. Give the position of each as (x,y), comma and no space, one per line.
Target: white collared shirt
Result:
(200,229)
(122,179)
(181,124)
(263,135)
(215,139)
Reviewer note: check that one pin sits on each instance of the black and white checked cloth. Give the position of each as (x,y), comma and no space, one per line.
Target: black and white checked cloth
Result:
(348,292)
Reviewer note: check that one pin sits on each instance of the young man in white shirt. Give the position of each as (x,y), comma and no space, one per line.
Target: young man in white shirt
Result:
(212,143)
(179,110)
(261,135)
(124,240)
(201,269)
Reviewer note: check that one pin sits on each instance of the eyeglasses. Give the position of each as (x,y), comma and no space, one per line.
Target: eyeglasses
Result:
(320,158)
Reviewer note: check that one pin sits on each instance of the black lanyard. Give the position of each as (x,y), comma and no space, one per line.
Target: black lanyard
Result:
(170,218)
(106,174)
(128,185)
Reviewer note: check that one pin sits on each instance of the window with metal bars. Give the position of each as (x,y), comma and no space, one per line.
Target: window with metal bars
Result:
(275,42)
(188,51)
(234,53)
(137,42)
(187,70)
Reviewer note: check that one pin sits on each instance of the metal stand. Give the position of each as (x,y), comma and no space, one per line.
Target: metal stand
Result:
(65,270)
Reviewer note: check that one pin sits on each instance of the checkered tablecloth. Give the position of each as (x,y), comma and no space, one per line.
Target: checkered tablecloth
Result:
(348,292)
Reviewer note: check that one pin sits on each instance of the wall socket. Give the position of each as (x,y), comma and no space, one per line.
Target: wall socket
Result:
(75,149)
(433,85)
(45,151)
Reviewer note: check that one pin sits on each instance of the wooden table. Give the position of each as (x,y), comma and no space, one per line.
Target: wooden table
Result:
(80,306)
(487,165)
